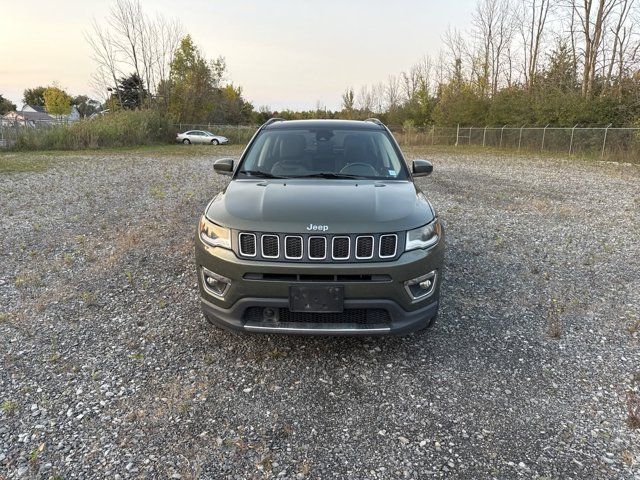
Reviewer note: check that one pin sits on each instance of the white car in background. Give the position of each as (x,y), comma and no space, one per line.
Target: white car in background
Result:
(201,136)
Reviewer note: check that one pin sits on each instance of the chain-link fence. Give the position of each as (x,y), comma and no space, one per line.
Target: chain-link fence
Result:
(613,143)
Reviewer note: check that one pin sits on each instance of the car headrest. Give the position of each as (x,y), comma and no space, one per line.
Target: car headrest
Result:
(292,146)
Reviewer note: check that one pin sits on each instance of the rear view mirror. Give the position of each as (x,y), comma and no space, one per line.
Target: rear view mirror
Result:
(422,168)
(224,166)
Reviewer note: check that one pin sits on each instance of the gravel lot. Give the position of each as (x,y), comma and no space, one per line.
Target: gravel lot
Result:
(110,371)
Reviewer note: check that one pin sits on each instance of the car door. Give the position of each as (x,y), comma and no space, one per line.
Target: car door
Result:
(202,137)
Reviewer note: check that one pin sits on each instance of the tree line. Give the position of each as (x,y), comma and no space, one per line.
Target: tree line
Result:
(535,62)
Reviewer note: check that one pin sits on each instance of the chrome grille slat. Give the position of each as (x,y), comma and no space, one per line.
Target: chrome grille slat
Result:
(388,246)
(364,247)
(270,246)
(247,244)
(293,244)
(340,251)
(317,244)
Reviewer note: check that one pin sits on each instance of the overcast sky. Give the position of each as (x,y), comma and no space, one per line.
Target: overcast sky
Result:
(284,53)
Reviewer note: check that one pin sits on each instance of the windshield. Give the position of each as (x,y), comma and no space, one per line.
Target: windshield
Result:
(323,152)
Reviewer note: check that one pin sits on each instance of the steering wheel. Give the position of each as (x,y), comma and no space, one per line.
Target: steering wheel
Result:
(359,168)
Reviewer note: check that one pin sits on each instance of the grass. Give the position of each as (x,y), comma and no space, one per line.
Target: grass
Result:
(12,163)
(29,162)
(8,407)
(123,128)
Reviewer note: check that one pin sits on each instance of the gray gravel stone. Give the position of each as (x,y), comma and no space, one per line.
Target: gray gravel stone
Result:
(528,372)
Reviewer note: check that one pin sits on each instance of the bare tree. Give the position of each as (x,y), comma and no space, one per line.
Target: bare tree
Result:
(621,36)
(106,56)
(533,25)
(129,41)
(593,23)
(392,92)
(494,25)
(364,100)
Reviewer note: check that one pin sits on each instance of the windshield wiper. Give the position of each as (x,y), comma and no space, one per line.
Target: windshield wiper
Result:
(327,175)
(260,174)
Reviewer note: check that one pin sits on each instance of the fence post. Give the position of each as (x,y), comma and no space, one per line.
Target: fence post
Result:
(457,134)
(470,135)
(604,143)
(520,139)
(484,136)
(433,134)
(544,133)
(501,132)
(571,141)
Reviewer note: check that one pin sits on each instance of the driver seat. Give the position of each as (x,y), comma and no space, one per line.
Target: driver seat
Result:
(292,156)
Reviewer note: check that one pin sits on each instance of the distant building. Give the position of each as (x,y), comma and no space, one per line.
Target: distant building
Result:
(31,115)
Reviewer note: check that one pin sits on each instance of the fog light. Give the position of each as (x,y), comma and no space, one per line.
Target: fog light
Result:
(269,313)
(421,287)
(215,284)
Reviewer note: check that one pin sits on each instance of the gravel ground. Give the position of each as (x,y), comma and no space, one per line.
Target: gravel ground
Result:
(110,371)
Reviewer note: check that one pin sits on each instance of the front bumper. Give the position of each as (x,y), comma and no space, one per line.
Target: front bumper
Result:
(404,314)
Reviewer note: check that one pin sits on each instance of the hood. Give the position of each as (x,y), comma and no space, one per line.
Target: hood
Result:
(334,206)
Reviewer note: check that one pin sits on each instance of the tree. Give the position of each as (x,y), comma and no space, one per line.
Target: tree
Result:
(348,103)
(86,106)
(230,107)
(130,92)
(460,104)
(129,40)
(6,105)
(532,31)
(193,83)
(57,101)
(594,23)
(34,96)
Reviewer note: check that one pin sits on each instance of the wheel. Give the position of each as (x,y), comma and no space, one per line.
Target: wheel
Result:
(186,141)
(214,142)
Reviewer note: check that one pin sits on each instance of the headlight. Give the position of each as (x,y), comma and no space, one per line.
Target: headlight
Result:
(213,234)
(424,237)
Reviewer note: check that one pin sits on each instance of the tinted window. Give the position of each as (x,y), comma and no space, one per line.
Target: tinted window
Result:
(301,152)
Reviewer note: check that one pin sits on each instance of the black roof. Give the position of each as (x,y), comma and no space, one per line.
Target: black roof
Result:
(316,123)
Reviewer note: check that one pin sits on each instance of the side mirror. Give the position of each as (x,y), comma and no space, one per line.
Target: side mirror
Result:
(421,168)
(224,166)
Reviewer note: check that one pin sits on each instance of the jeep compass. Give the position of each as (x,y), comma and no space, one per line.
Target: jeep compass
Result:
(321,230)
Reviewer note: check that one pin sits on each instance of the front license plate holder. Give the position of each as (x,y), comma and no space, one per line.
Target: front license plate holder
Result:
(316,299)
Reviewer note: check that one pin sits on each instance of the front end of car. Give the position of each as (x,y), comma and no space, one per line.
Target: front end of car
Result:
(359,283)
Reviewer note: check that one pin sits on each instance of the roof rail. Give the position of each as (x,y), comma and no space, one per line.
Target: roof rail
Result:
(375,120)
(272,120)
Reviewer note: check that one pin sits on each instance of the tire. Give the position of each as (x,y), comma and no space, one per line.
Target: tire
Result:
(186,141)
(214,142)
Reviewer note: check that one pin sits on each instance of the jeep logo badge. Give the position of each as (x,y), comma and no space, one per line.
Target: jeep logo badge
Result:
(320,228)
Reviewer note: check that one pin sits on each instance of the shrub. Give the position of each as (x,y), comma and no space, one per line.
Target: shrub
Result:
(117,129)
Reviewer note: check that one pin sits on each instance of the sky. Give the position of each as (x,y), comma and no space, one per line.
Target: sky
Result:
(284,53)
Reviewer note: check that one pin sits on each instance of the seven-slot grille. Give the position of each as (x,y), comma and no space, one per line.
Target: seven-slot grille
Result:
(319,248)
(247,243)
(293,247)
(388,246)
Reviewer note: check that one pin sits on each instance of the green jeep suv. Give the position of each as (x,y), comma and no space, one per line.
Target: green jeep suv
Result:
(321,231)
